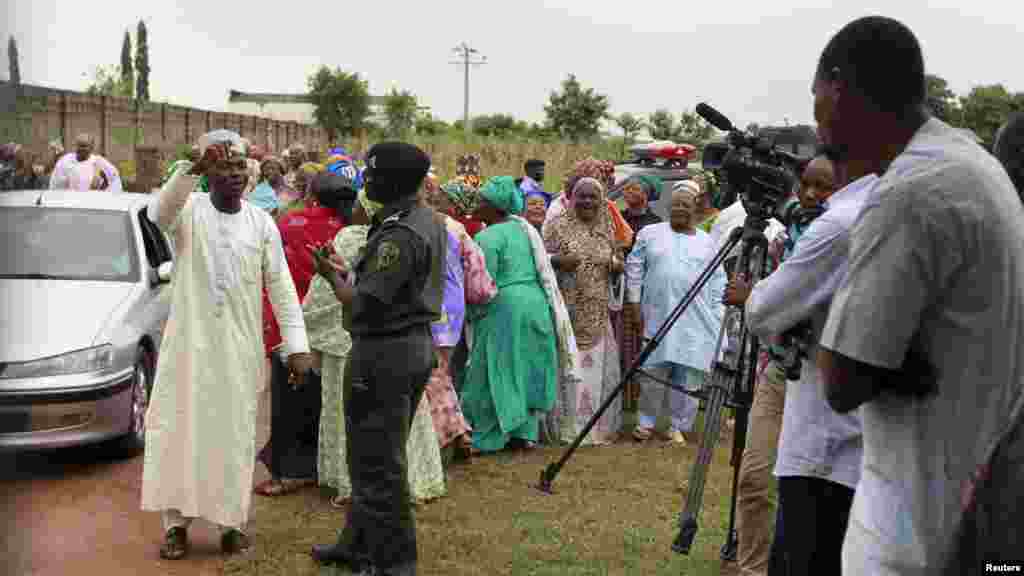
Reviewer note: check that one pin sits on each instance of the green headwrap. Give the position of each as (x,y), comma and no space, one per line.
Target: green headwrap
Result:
(652,185)
(462,195)
(502,193)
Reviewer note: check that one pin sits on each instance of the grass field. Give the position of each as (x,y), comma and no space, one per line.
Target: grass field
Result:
(505,156)
(614,512)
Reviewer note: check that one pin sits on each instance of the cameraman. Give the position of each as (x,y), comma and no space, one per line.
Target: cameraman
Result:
(757,511)
(819,456)
(924,335)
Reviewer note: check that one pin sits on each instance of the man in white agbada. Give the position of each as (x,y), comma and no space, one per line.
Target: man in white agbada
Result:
(200,437)
(82,170)
(666,260)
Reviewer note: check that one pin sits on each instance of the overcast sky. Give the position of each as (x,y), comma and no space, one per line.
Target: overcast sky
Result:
(752,59)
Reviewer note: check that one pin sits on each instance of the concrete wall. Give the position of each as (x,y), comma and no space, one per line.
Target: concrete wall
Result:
(33,116)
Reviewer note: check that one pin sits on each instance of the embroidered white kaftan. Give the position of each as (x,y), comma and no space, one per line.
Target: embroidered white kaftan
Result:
(662,267)
(200,437)
(70,174)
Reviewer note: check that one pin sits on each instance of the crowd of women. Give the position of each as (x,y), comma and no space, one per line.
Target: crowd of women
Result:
(547,301)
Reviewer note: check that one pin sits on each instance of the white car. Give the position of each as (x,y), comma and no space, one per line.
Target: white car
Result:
(84,289)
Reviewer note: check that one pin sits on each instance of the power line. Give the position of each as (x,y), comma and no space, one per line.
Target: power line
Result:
(469,57)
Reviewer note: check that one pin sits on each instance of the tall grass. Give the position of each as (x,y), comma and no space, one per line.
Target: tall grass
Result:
(506,155)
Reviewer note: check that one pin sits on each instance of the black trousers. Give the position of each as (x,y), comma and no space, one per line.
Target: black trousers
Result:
(384,382)
(291,451)
(814,517)
(777,555)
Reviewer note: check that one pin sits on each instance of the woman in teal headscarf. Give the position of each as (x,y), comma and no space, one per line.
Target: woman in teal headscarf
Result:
(521,336)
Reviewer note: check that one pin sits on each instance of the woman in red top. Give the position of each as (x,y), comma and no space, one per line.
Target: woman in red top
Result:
(458,199)
(291,452)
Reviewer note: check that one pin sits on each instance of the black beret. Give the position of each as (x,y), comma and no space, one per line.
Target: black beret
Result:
(395,170)
(534,163)
(328,186)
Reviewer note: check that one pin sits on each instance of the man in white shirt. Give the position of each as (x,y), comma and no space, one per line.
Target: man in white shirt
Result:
(731,218)
(924,335)
(83,170)
(201,422)
(819,452)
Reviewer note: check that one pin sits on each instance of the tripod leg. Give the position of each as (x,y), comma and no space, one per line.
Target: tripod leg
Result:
(716,395)
(731,546)
(547,476)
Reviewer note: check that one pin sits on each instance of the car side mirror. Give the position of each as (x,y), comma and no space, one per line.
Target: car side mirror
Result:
(163,273)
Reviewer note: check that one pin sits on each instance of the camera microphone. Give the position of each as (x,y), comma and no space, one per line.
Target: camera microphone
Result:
(714,117)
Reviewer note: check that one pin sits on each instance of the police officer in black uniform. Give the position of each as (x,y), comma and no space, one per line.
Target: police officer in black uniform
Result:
(395,295)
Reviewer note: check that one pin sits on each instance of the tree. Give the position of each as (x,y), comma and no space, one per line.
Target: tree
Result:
(630,125)
(142,63)
(14,68)
(498,125)
(576,112)
(694,130)
(108,81)
(942,101)
(341,101)
(662,125)
(400,110)
(428,125)
(986,108)
(127,72)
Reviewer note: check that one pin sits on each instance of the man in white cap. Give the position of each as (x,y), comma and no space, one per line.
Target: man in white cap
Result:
(666,260)
(200,426)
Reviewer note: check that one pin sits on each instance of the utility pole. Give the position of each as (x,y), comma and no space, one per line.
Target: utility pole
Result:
(469,57)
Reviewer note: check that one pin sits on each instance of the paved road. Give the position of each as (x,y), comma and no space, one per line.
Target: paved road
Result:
(77,512)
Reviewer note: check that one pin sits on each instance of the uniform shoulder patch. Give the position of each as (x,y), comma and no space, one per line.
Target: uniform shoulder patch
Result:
(387,255)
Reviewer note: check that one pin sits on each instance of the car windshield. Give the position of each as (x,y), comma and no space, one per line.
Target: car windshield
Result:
(67,244)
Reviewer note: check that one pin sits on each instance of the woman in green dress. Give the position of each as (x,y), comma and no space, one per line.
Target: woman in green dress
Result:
(521,336)
(331,344)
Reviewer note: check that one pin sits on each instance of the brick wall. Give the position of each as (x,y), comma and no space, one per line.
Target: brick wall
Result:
(43,114)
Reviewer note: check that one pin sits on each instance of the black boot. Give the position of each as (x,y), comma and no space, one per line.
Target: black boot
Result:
(338,553)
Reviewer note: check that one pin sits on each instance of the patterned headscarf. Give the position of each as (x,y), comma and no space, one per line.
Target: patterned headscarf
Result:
(466,198)
(467,166)
(502,193)
(601,170)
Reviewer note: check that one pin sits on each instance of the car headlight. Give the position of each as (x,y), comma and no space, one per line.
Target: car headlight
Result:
(81,361)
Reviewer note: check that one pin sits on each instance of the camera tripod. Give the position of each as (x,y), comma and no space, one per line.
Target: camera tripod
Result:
(730,383)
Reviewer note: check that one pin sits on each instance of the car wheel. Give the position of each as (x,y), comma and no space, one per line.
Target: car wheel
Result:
(142,387)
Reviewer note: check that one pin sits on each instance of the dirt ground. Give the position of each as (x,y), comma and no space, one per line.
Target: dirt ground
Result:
(76,511)
(614,512)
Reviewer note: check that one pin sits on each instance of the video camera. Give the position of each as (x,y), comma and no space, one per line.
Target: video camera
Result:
(764,176)
(760,172)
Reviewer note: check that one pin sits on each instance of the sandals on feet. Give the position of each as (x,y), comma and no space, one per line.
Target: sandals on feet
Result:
(234,542)
(280,487)
(175,545)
